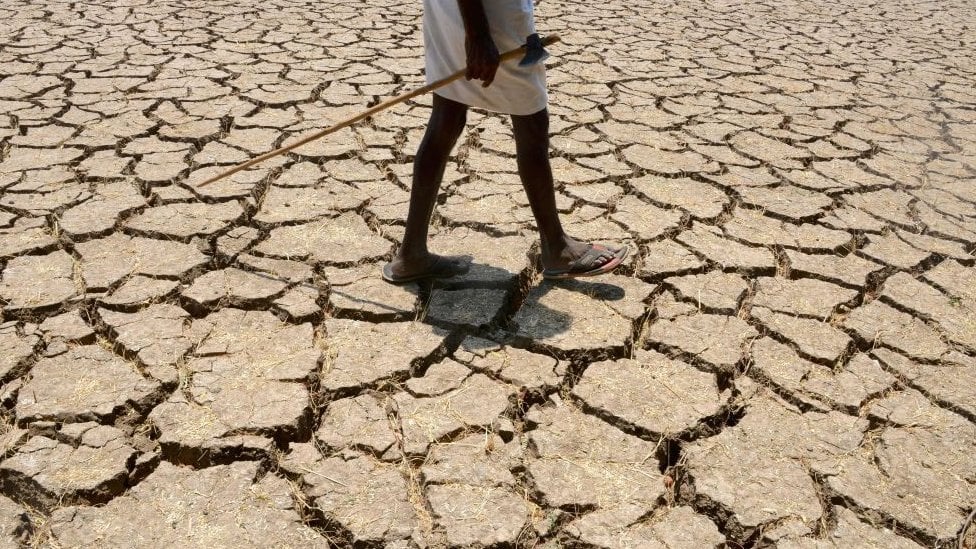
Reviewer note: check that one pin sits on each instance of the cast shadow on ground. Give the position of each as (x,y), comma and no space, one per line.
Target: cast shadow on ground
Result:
(510,297)
(485,297)
(550,322)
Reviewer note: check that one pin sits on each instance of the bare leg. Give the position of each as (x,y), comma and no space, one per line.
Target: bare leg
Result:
(532,151)
(447,121)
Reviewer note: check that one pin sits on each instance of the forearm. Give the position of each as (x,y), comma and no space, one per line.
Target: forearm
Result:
(475,20)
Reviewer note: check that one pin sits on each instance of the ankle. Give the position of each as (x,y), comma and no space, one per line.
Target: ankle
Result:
(411,253)
(556,244)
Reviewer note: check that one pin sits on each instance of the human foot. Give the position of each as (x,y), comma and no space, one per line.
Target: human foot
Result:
(402,270)
(589,260)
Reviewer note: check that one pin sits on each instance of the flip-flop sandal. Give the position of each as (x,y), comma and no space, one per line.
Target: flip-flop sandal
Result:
(443,267)
(583,266)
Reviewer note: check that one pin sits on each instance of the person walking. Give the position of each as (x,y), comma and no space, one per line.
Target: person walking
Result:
(469,33)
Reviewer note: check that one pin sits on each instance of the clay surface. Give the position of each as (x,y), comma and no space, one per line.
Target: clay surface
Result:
(787,358)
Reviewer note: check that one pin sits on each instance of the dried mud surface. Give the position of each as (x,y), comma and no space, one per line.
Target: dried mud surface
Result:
(788,359)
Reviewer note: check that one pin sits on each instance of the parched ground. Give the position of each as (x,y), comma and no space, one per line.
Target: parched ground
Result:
(788,360)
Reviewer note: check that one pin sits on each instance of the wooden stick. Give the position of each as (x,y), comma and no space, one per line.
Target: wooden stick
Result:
(507,56)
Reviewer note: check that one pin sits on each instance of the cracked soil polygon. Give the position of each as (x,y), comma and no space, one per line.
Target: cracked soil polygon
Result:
(804,297)
(68,326)
(25,236)
(374,298)
(813,337)
(159,335)
(360,353)
(477,515)
(701,200)
(106,261)
(668,162)
(644,221)
(368,498)
(473,493)
(341,240)
(232,287)
(948,382)
(670,528)
(957,279)
(578,460)
(221,506)
(38,282)
(363,423)
(519,367)
(183,221)
(714,290)
(666,257)
(955,315)
(471,306)
(46,472)
(14,350)
(139,290)
(650,392)
(426,420)
(299,304)
(851,531)
(789,202)
(878,323)
(758,229)
(716,339)
(711,243)
(849,269)
(894,251)
(302,204)
(496,260)
(87,383)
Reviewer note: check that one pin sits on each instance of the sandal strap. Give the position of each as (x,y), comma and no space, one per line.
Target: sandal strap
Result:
(592,253)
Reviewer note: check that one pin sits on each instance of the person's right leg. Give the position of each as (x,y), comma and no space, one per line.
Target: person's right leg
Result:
(447,119)
(560,252)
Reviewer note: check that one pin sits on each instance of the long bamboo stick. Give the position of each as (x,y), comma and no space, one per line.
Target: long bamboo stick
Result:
(507,56)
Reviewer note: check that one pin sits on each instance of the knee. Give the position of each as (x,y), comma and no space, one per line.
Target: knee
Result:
(445,128)
(447,119)
(532,143)
(452,128)
(532,132)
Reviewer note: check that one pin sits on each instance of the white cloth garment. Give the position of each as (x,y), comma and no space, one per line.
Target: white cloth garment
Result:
(515,90)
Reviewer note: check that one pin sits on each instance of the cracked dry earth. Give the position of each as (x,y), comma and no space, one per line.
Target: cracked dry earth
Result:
(788,361)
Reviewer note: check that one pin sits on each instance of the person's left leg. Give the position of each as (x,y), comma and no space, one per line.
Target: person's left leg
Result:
(559,250)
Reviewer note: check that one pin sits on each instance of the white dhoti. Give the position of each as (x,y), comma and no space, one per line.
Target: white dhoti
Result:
(515,90)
